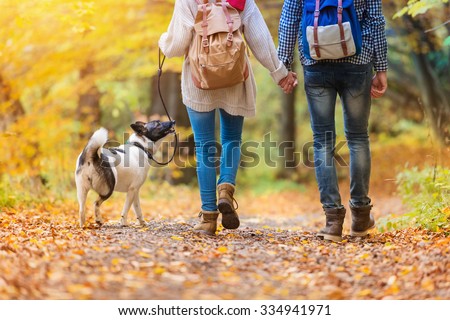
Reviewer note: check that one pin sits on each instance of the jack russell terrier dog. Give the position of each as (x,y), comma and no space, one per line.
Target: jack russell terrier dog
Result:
(122,169)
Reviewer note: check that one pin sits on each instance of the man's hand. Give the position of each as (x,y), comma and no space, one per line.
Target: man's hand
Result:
(289,82)
(379,84)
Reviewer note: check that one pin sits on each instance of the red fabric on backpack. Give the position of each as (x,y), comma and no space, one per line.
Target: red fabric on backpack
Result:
(237,4)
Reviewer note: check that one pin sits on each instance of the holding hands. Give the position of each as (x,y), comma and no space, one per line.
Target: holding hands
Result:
(289,82)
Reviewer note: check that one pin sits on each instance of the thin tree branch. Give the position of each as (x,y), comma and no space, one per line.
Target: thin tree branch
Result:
(437,27)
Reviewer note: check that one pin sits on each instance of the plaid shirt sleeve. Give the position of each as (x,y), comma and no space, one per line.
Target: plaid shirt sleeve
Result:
(377,24)
(288,30)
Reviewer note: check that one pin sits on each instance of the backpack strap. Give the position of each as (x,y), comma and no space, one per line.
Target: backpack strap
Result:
(229,22)
(205,43)
(341,28)
(316,28)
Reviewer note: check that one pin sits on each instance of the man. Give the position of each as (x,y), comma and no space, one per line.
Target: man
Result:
(356,79)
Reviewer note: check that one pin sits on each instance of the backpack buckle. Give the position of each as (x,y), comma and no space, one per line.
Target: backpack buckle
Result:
(340,9)
(316,13)
(230,37)
(205,45)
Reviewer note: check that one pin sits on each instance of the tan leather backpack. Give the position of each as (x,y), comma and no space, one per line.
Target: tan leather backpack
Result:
(218,52)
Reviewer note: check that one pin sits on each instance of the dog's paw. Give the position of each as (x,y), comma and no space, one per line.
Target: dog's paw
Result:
(123,224)
(142,223)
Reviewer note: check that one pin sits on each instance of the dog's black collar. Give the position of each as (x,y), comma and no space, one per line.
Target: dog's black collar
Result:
(140,146)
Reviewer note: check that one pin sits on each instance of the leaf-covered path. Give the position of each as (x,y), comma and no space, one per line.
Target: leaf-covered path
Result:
(274,255)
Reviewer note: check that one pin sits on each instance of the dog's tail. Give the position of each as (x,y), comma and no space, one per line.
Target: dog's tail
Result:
(98,139)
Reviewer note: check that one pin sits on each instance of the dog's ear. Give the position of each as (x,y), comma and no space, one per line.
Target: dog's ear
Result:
(139,127)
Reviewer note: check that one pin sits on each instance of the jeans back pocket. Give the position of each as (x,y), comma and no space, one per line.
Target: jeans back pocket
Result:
(314,83)
(356,83)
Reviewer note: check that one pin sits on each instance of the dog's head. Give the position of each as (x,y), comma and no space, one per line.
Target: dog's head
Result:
(154,130)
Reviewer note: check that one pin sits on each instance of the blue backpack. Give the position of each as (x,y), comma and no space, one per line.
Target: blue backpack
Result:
(331,29)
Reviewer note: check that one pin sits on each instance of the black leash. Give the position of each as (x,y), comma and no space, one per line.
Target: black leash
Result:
(150,156)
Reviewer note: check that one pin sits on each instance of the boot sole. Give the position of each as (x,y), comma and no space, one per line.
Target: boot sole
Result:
(361,233)
(230,220)
(329,237)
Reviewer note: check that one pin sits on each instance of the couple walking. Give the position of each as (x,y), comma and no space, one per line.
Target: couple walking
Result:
(356,79)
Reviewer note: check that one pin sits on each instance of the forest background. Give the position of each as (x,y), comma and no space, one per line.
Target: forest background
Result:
(68,67)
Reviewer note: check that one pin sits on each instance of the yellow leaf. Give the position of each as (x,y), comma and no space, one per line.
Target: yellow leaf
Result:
(227,274)
(80,289)
(406,270)
(392,286)
(144,254)
(364,293)
(222,249)
(366,270)
(364,256)
(159,270)
(427,284)
(79,252)
(258,232)
(176,238)
(115,261)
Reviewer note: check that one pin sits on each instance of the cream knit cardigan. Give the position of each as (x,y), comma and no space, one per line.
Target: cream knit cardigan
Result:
(236,100)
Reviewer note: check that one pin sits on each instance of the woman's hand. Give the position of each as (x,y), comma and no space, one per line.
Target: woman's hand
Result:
(289,82)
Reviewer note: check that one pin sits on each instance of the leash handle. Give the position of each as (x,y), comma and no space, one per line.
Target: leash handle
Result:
(160,65)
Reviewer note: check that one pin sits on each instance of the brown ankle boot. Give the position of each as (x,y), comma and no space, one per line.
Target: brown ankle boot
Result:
(230,219)
(362,221)
(208,222)
(333,227)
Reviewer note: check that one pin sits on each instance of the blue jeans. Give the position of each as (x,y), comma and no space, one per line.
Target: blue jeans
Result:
(203,125)
(323,82)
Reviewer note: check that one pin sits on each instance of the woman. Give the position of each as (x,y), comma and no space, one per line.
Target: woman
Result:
(233,103)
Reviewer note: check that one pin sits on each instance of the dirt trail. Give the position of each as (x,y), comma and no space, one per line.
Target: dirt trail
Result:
(274,255)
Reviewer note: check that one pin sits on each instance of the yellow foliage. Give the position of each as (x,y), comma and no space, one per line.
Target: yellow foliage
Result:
(44,46)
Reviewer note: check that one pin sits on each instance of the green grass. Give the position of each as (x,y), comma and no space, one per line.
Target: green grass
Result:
(427,193)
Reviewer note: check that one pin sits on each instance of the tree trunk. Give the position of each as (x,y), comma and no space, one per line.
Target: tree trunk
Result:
(88,110)
(435,102)
(433,95)
(287,137)
(171,92)
(12,108)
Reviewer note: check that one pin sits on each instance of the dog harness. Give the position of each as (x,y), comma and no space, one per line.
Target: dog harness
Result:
(140,146)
